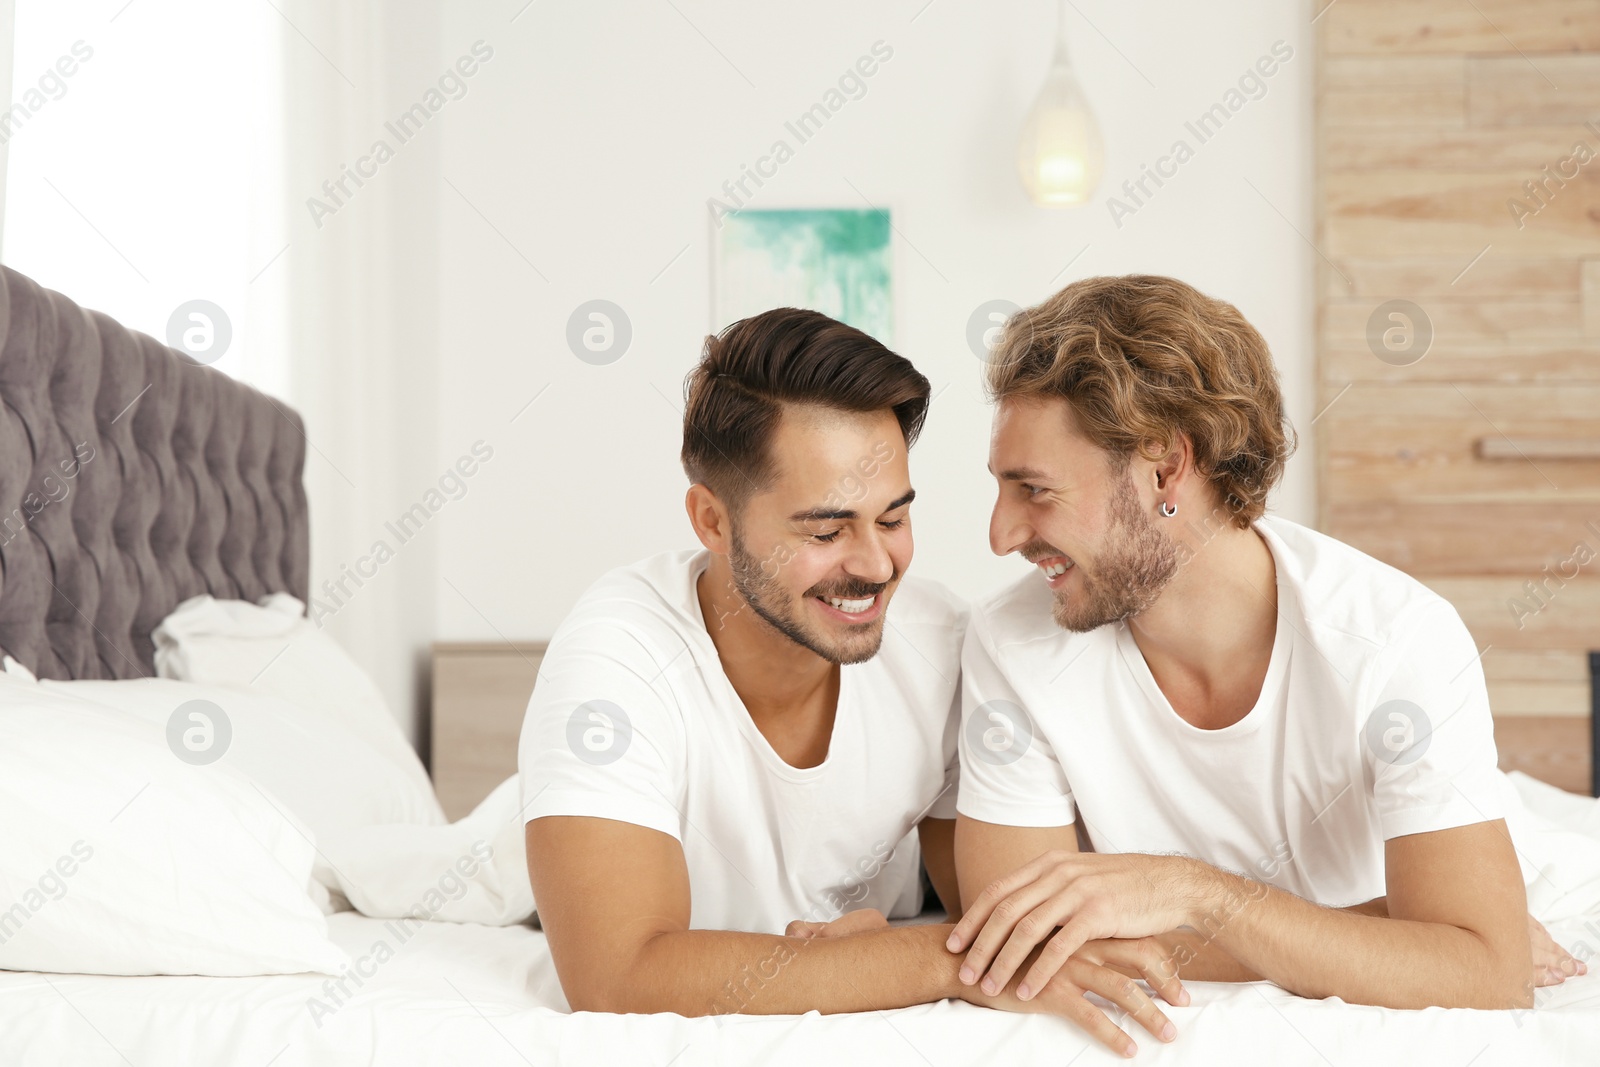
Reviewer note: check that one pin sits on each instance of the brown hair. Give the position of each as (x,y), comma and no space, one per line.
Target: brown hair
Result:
(1140,359)
(733,397)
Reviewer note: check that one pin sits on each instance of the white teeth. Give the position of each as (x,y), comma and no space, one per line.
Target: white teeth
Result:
(853,607)
(1053,570)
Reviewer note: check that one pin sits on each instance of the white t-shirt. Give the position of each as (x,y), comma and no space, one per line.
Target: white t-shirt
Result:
(634,719)
(1373,722)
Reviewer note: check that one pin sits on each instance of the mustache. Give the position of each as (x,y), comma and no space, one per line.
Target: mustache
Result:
(1038,550)
(856,590)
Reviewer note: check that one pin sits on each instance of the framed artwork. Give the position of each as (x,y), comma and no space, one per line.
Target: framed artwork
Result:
(832,260)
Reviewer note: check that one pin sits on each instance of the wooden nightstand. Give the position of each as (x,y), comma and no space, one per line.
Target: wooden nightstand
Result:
(480,692)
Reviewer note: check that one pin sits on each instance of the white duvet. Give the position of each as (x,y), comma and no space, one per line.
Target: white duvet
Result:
(467,993)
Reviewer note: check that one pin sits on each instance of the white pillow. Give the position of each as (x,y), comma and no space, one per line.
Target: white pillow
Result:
(320,772)
(273,649)
(119,857)
(17,670)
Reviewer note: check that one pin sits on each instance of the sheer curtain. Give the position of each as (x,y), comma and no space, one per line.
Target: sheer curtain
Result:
(141,177)
(167,152)
(364,344)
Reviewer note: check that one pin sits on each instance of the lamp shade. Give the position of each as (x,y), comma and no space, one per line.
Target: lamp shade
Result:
(1061,155)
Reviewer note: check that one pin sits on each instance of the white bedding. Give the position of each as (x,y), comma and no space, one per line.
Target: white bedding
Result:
(483,995)
(468,994)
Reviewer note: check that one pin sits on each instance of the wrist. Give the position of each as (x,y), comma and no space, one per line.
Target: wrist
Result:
(1211,890)
(941,965)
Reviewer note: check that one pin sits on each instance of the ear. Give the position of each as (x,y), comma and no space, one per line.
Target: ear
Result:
(710,519)
(1175,468)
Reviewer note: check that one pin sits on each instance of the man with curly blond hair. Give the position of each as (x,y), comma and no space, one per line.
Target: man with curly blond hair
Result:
(1279,749)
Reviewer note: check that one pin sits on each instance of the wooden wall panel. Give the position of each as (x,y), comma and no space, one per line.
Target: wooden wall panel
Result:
(1556,316)
(1433,118)
(1498,277)
(1457,213)
(1589,290)
(1496,27)
(1538,362)
(1529,90)
(1520,150)
(1515,539)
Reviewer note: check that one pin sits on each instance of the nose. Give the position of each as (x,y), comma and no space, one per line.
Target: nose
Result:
(870,561)
(1007,529)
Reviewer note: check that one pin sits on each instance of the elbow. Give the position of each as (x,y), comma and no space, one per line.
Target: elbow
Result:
(1506,983)
(615,993)
(601,999)
(619,1000)
(614,998)
(1500,994)
(1512,978)
(1512,988)
(610,1000)
(625,990)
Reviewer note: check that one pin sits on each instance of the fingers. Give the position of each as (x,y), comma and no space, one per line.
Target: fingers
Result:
(1144,957)
(802,929)
(1068,940)
(1555,966)
(1068,1001)
(1552,964)
(1066,997)
(1125,993)
(1162,973)
(1017,925)
(977,916)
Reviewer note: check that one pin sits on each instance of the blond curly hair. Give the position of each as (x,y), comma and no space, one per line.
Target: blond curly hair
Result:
(1142,358)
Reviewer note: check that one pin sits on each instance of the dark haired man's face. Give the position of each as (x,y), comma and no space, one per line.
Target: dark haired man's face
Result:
(1066,503)
(820,553)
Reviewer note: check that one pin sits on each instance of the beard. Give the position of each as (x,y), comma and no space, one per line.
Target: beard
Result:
(1137,563)
(775,606)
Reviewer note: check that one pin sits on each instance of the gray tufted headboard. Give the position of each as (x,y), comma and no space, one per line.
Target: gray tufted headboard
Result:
(131,478)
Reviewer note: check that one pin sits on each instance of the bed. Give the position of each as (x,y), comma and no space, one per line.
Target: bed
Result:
(195,488)
(470,994)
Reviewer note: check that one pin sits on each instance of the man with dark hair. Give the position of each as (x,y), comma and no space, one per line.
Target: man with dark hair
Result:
(729,749)
(1279,748)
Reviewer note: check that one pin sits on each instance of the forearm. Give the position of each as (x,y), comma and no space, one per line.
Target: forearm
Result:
(1354,954)
(714,972)
(1196,957)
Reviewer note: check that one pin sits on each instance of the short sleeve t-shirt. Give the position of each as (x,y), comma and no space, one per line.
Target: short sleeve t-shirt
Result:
(633,719)
(1373,722)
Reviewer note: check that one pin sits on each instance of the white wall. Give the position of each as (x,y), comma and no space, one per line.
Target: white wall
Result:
(586,150)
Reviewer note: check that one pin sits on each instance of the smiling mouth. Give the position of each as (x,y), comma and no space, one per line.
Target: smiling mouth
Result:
(853,609)
(1054,568)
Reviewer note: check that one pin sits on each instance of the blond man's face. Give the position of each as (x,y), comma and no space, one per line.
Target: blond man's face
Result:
(1074,511)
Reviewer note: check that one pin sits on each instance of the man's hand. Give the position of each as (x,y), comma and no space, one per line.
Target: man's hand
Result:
(1552,964)
(1143,957)
(1090,896)
(1106,968)
(1066,995)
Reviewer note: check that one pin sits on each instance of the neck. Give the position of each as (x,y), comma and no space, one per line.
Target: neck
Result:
(1218,615)
(773,675)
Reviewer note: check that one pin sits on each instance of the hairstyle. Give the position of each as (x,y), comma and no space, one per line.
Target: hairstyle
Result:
(1142,358)
(734,397)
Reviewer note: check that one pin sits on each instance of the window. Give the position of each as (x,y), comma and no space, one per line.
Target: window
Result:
(143,177)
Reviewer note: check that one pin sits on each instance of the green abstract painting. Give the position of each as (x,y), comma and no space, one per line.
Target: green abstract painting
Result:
(835,261)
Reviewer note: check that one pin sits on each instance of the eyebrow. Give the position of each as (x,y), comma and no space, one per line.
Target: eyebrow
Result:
(848,514)
(1021,474)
